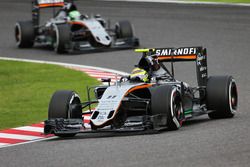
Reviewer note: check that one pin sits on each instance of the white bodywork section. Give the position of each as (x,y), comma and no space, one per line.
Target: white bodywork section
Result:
(110,101)
(97,30)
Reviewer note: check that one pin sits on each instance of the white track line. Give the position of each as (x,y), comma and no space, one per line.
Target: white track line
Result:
(32,141)
(30,128)
(66,64)
(3,144)
(100,73)
(21,137)
(102,76)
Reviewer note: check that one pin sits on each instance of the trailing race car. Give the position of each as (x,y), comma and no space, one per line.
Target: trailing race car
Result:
(69,30)
(149,99)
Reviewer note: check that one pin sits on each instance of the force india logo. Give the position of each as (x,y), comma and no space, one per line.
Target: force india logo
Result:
(175,52)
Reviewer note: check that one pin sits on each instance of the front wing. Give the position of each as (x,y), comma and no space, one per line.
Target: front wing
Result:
(146,124)
(125,43)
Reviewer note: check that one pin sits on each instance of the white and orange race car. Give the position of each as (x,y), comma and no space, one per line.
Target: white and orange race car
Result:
(69,30)
(134,104)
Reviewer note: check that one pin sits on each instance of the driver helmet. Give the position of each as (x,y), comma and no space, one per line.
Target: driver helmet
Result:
(148,63)
(139,74)
(153,63)
(74,15)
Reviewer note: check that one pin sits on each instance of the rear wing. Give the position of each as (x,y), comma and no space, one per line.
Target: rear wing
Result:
(40,4)
(196,54)
(173,54)
(179,54)
(48,3)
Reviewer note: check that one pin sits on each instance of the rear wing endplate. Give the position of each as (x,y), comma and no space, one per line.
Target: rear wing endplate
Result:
(40,4)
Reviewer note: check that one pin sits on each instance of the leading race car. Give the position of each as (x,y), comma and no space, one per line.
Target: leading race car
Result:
(70,30)
(149,99)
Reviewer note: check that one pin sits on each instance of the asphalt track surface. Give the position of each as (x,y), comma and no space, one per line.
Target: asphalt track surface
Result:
(224,30)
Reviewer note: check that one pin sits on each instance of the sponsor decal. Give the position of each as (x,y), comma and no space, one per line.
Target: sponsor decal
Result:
(175,52)
(102,115)
(203,69)
(201,65)
(111,96)
(200,58)
(189,111)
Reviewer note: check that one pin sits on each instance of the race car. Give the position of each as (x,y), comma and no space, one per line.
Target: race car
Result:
(149,99)
(69,30)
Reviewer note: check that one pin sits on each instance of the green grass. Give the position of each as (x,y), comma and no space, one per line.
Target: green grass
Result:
(26,89)
(229,1)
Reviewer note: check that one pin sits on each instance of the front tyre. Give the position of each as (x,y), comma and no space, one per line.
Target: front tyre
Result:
(124,29)
(222,97)
(62,38)
(65,104)
(167,100)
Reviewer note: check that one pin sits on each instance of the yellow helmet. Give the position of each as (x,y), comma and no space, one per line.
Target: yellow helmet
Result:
(139,74)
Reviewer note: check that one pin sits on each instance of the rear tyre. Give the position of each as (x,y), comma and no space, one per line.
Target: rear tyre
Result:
(124,29)
(24,34)
(65,104)
(62,38)
(222,96)
(167,100)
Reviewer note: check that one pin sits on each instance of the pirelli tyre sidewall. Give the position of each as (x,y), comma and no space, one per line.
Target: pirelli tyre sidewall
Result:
(62,38)
(221,96)
(124,29)
(166,100)
(24,34)
(65,104)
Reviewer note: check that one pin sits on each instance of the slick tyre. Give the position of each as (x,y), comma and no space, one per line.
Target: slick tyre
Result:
(222,96)
(24,34)
(62,38)
(65,104)
(166,99)
(124,29)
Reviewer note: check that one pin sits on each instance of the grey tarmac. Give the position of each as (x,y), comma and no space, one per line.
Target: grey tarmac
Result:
(223,30)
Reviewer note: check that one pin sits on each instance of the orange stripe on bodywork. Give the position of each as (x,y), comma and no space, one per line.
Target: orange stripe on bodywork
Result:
(60,4)
(77,22)
(131,90)
(138,87)
(188,57)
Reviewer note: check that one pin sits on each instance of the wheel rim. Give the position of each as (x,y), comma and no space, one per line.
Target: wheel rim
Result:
(18,35)
(117,30)
(176,108)
(56,42)
(75,99)
(233,97)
